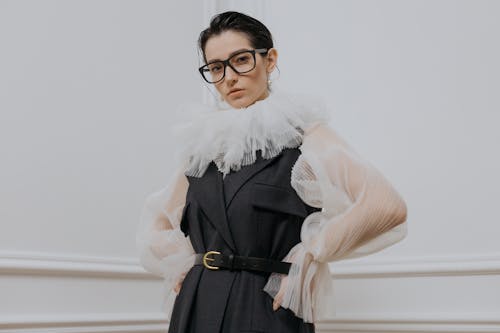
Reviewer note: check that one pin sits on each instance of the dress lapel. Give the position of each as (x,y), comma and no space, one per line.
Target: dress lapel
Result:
(209,193)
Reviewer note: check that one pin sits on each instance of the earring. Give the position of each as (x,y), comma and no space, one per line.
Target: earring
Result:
(269,82)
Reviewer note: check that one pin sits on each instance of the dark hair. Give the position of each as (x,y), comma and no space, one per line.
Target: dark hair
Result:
(257,33)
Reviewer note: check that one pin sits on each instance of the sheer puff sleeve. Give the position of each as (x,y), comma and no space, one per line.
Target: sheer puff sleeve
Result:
(164,250)
(361,213)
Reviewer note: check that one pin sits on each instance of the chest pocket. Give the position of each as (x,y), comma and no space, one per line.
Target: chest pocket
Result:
(277,199)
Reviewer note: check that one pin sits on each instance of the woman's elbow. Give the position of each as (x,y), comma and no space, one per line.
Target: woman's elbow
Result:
(401,212)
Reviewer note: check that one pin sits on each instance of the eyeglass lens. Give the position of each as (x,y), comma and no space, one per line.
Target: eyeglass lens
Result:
(241,62)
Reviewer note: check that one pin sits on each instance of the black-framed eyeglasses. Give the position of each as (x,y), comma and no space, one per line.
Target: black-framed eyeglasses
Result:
(241,62)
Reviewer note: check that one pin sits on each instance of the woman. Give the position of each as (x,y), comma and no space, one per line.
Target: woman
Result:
(266,194)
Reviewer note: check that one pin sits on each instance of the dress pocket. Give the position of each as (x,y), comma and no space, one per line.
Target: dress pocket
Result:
(277,199)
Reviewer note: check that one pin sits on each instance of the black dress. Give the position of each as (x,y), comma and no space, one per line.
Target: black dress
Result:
(251,212)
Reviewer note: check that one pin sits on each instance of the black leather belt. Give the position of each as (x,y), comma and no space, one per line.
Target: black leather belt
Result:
(217,260)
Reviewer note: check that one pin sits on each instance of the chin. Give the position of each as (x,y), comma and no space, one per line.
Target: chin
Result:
(240,103)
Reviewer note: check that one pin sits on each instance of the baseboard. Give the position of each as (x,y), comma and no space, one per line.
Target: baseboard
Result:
(88,323)
(156,323)
(412,323)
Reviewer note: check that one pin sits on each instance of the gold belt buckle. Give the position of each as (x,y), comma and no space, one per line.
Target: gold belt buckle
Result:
(205,258)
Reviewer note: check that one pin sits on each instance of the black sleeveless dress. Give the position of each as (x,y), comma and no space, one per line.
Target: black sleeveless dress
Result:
(251,212)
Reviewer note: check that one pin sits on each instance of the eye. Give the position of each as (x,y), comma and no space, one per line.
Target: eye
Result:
(215,68)
(243,58)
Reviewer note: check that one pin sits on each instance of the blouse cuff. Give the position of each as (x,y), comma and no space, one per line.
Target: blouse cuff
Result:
(309,289)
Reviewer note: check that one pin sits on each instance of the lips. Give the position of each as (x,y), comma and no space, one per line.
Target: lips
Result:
(234,90)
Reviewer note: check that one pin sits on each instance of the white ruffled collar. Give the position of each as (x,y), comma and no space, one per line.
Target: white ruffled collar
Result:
(231,137)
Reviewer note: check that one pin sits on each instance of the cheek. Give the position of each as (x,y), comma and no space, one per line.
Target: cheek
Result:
(260,73)
(218,86)
(258,79)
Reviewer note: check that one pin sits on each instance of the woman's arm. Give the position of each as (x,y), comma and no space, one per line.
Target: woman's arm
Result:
(361,214)
(163,248)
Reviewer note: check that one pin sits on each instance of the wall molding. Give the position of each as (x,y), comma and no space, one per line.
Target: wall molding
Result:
(450,265)
(210,8)
(152,322)
(37,263)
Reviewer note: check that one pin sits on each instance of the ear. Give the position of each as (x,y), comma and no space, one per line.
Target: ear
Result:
(272,59)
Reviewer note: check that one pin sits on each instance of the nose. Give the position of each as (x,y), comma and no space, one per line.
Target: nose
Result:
(230,73)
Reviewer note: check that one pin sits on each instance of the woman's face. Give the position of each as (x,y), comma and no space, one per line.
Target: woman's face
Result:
(253,84)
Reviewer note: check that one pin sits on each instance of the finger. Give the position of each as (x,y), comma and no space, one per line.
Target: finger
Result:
(279,297)
(277,302)
(177,287)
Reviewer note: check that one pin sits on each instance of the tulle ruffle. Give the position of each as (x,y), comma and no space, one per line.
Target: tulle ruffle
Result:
(230,137)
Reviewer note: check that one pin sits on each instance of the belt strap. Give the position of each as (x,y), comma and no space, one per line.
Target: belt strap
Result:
(217,260)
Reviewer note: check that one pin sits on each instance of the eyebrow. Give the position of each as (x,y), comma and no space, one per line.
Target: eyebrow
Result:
(230,55)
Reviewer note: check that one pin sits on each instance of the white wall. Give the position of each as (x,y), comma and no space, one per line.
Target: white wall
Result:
(87,89)
(414,86)
(86,92)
